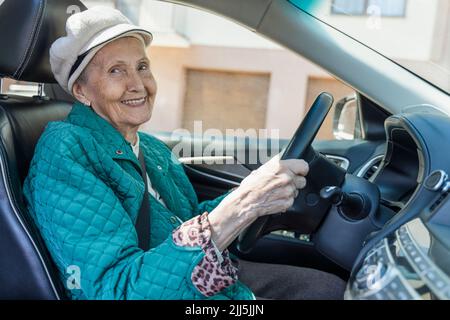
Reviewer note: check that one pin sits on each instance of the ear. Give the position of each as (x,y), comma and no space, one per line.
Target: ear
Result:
(78,91)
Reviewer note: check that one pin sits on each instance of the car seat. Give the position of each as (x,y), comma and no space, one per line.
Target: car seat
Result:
(27,30)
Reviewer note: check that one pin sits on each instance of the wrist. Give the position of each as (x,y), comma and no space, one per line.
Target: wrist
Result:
(229,219)
(239,203)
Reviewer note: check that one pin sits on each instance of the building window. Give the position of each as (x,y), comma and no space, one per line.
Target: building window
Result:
(385,8)
(130,8)
(225,100)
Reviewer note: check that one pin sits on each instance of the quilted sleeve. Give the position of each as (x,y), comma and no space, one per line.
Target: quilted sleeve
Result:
(86,229)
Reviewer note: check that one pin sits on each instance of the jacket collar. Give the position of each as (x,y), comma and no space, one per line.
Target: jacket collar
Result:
(111,140)
(104,133)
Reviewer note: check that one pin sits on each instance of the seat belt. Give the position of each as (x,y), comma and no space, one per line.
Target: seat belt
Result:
(143,219)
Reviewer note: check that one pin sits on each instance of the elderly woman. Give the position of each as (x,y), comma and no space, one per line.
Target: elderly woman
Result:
(95,184)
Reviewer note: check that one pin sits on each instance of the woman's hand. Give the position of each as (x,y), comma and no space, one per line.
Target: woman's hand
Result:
(273,187)
(270,189)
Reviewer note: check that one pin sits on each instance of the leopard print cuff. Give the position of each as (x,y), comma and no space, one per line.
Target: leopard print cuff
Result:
(213,273)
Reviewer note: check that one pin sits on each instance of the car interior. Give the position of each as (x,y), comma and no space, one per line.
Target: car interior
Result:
(375,213)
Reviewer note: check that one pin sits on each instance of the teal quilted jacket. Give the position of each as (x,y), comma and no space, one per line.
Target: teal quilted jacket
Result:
(84,191)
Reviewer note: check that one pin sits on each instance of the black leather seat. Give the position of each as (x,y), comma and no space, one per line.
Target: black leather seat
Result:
(27,29)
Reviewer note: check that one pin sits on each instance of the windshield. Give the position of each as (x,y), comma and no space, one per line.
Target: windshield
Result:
(413,33)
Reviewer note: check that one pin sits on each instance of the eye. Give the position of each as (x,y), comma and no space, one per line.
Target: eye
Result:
(143,67)
(115,70)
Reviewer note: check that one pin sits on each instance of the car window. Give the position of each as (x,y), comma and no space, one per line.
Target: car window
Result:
(413,33)
(226,78)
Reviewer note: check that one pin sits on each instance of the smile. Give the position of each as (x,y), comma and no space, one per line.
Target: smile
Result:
(134,102)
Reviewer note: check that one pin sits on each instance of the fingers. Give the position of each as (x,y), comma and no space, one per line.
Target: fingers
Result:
(300,182)
(292,190)
(288,177)
(297,166)
(275,185)
(275,159)
(291,181)
(281,205)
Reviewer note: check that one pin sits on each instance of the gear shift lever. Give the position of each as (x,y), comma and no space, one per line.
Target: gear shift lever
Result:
(351,205)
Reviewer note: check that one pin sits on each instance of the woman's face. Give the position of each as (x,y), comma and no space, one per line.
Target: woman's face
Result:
(119,84)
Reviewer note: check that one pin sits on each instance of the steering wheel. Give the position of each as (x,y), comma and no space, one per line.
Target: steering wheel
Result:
(308,209)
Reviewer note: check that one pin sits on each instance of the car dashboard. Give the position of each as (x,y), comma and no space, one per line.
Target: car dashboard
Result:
(409,258)
(401,170)
(410,264)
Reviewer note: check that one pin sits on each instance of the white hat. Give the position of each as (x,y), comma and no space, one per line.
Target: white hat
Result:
(87,32)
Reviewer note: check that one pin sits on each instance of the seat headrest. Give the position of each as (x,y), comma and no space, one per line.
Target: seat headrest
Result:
(27,30)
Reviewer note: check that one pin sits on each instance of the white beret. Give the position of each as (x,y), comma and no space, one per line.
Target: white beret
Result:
(87,32)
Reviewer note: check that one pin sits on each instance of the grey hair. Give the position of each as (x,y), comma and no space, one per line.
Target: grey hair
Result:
(83,77)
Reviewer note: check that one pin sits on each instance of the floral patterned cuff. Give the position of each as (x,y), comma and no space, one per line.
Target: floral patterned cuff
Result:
(215,271)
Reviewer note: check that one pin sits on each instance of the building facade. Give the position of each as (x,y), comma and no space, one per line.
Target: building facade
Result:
(213,70)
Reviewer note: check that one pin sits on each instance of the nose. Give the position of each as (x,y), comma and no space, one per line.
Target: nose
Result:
(135,83)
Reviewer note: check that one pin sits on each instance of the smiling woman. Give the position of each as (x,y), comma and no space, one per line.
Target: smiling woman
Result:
(95,183)
(119,85)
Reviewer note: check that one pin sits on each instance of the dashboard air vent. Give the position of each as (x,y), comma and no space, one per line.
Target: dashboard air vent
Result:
(372,169)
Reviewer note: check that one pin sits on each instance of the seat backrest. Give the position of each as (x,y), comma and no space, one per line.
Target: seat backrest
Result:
(29,27)
(26,269)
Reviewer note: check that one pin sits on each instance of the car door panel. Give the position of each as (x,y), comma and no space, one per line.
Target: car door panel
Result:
(214,175)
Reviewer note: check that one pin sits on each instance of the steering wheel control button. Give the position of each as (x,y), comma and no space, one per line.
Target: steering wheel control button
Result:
(394,285)
(397,290)
(435,279)
(312,199)
(436,180)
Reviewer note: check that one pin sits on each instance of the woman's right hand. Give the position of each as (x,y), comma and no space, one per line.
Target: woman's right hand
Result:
(273,187)
(270,189)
